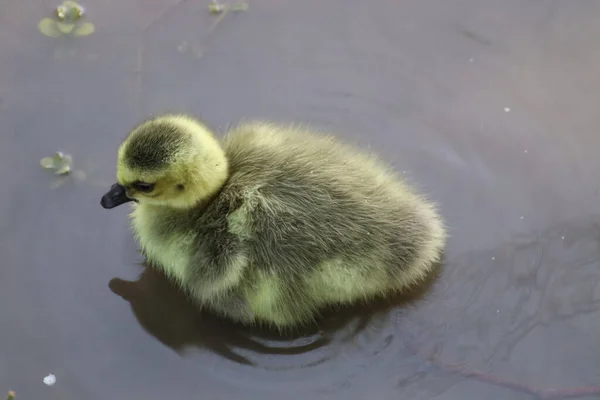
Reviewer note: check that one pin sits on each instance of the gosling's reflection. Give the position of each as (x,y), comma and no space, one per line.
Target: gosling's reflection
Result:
(164,312)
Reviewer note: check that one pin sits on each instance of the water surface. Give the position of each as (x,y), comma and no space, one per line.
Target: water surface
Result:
(489,107)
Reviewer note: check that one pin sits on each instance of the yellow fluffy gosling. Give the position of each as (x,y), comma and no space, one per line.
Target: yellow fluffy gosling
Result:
(273,223)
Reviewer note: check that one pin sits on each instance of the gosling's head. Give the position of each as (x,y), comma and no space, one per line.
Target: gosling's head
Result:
(172,161)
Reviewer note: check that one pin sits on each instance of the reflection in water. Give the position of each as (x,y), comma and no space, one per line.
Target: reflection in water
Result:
(164,312)
(495,316)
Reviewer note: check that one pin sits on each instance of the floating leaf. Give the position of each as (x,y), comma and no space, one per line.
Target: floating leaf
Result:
(215,7)
(65,168)
(60,163)
(65,28)
(11,395)
(47,162)
(84,29)
(68,14)
(48,27)
(61,11)
(69,11)
(52,162)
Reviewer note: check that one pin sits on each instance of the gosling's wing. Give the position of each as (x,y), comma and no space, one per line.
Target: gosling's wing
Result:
(294,221)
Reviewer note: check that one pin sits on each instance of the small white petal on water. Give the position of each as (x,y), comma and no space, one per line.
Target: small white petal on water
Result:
(522,217)
(506,109)
(49,380)
(493,258)
(562,237)
(525,151)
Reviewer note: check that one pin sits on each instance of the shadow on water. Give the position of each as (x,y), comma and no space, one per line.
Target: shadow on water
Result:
(510,300)
(164,312)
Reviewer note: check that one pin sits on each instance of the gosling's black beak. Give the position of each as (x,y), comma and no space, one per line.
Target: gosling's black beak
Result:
(114,197)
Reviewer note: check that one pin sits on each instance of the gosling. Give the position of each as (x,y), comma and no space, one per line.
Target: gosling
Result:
(274,223)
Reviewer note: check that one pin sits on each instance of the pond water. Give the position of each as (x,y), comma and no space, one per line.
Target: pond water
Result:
(489,107)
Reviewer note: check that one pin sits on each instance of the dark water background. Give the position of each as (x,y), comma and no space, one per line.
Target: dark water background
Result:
(490,107)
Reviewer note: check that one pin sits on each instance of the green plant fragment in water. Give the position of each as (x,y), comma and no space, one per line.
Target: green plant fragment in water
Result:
(51,28)
(60,163)
(69,11)
(65,28)
(69,14)
(48,27)
(11,395)
(215,7)
(84,29)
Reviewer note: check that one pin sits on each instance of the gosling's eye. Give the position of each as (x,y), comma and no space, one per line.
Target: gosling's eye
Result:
(143,187)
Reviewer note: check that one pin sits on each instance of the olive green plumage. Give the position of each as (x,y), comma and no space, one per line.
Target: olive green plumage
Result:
(274,222)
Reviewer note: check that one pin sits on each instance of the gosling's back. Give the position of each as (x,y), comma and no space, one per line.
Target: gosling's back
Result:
(305,221)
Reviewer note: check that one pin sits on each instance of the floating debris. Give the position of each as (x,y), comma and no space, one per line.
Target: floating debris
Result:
(471,60)
(68,14)
(70,11)
(60,163)
(49,380)
(522,217)
(493,258)
(10,395)
(215,7)
(506,109)
(525,151)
